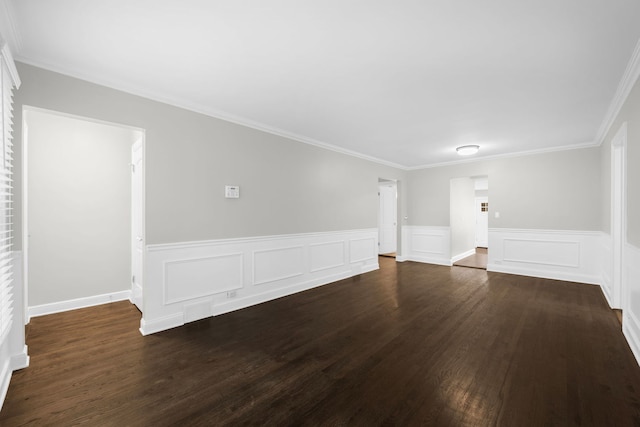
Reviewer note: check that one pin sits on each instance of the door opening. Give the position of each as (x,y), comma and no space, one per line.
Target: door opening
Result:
(387,218)
(78,199)
(469,221)
(137,218)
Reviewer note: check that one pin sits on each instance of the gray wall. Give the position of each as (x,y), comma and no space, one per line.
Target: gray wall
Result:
(463,220)
(79,195)
(285,186)
(557,191)
(629,113)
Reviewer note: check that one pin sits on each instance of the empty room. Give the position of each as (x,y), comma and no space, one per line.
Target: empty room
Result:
(320,213)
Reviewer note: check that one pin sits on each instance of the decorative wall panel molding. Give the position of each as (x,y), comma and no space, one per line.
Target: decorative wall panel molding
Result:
(426,244)
(325,256)
(553,254)
(198,277)
(188,281)
(272,265)
(631,309)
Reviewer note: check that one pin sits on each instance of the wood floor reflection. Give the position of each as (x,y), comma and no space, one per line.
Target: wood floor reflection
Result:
(410,344)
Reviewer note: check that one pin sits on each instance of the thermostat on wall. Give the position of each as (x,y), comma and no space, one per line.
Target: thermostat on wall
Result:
(232,191)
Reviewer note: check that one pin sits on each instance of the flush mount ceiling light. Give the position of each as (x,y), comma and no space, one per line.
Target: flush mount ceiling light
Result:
(468,150)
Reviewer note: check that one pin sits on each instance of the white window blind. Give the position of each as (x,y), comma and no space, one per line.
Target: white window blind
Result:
(6,199)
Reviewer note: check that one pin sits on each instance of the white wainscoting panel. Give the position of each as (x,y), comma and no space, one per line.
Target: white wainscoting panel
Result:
(363,249)
(426,244)
(325,256)
(272,265)
(553,254)
(631,311)
(193,280)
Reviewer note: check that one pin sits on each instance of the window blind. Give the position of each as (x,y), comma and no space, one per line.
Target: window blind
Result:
(6,199)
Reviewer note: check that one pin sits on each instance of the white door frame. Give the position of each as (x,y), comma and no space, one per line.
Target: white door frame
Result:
(618,217)
(388,183)
(478,201)
(25,193)
(135,237)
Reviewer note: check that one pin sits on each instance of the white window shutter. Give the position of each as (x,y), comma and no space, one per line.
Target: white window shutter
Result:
(6,199)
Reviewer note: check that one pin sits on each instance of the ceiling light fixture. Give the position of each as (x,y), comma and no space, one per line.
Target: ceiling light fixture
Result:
(468,150)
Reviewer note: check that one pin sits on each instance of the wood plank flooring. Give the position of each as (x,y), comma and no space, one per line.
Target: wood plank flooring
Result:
(411,344)
(477,260)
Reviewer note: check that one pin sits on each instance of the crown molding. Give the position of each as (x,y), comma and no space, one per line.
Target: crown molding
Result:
(8,28)
(625,86)
(11,66)
(207,111)
(508,155)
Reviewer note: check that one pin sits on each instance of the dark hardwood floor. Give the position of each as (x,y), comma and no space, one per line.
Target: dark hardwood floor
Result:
(411,344)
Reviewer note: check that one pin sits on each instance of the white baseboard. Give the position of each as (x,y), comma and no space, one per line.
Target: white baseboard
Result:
(554,275)
(552,254)
(194,280)
(20,361)
(57,307)
(631,331)
(161,324)
(462,255)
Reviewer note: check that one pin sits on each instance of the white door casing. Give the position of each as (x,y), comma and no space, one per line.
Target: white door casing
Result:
(482,222)
(137,230)
(387,218)
(618,216)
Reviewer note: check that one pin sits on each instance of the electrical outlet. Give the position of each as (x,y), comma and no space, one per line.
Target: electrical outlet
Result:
(231,294)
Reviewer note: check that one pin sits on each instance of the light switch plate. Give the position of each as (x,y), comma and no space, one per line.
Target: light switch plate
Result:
(232,191)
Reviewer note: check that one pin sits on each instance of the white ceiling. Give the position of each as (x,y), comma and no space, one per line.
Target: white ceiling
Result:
(403,81)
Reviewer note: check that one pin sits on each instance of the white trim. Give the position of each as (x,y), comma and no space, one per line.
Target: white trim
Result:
(458,257)
(618,215)
(288,275)
(546,231)
(631,331)
(26,107)
(74,304)
(12,35)
(161,324)
(205,110)
(221,242)
(228,288)
(20,360)
(531,272)
(11,66)
(428,244)
(28,311)
(629,79)
(569,255)
(200,289)
(148,327)
(631,313)
(476,159)
(5,379)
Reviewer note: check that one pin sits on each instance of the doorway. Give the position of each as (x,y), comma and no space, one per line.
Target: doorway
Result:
(469,221)
(79,211)
(387,217)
